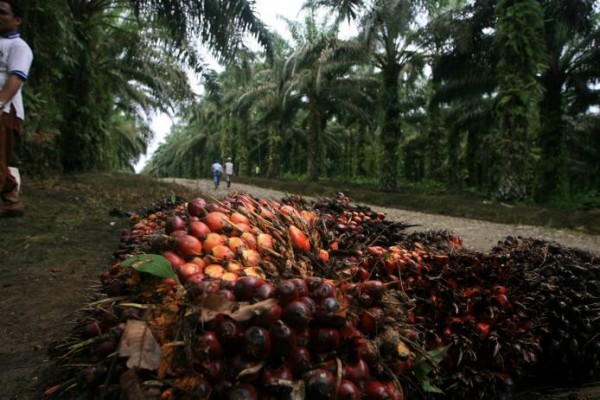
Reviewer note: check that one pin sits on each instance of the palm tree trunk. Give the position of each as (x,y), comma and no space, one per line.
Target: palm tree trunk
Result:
(551,179)
(391,131)
(314,142)
(274,152)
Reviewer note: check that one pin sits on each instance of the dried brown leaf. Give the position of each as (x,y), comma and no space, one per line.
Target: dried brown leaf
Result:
(140,346)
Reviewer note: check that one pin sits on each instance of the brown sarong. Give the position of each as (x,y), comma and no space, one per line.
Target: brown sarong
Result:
(10,127)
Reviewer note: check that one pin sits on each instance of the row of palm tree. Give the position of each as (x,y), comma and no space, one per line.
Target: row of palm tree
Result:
(487,95)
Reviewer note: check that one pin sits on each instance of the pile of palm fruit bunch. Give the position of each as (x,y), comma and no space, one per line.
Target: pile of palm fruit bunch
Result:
(246,298)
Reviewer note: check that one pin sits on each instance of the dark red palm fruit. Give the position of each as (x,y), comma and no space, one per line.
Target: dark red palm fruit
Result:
(394,391)
(246,286)
(349,331)
(324,290)
(215,369)
(242,391)
(286,291)
(226,294)
(220,389)
(303,337)
(330,313)
(197,207)
(268,317)
(202,390)
(320,384)
(312,282)
(299,361)
(310,303)
(357,372)
(242,368)
(301,286)
(230,334)
(374,289)
(375,390)
(174,223)
(208,346)
(283,338)
(366,350)
(257,343)
(297,314)
(264,292)
(208,287)
(324,340)
(348,391)
(272,374)
(371,320)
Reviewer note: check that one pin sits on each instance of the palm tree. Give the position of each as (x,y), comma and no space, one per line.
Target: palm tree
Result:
(520,55)
(572,40)
(321,70)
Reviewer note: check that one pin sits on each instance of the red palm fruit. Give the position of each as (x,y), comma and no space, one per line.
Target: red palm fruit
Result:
(214,271)
(297,314)
(324,340)
(250,258)
(250,239)
(312,305)
(299,239)
(283,338)
(207,346)
(228,279)
(222,253)
(286,291)
(357,372)
(312,282)
(257,343)
(226,294)
(188,246)
(375,390)
(320,384)
(174,223)
(264,242)
(199,261)
(188,269)
(174,259)
(236,244)
(212,240)
(286,209)
(198,229)
(238,218)
(246,286)
(217,221)
(234,267)
(299,361)
(196,207)
(348,391)
(323,255)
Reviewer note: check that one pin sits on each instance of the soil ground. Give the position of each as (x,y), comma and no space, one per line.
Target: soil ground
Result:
(51,257)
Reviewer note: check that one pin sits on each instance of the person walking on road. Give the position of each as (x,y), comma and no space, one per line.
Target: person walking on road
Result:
(228,171)
(217,170)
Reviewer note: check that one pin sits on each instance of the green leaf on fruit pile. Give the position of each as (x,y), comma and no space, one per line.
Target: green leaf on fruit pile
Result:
(425,364)
(153,264)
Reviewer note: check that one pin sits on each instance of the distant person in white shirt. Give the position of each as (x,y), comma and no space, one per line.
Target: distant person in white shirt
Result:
(217,170)
(228,171)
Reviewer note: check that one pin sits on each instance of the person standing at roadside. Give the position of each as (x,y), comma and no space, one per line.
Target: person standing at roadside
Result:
(228,171)
(15,60)
(217,170)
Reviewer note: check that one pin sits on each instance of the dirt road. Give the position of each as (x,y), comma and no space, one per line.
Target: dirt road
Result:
(477,235)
